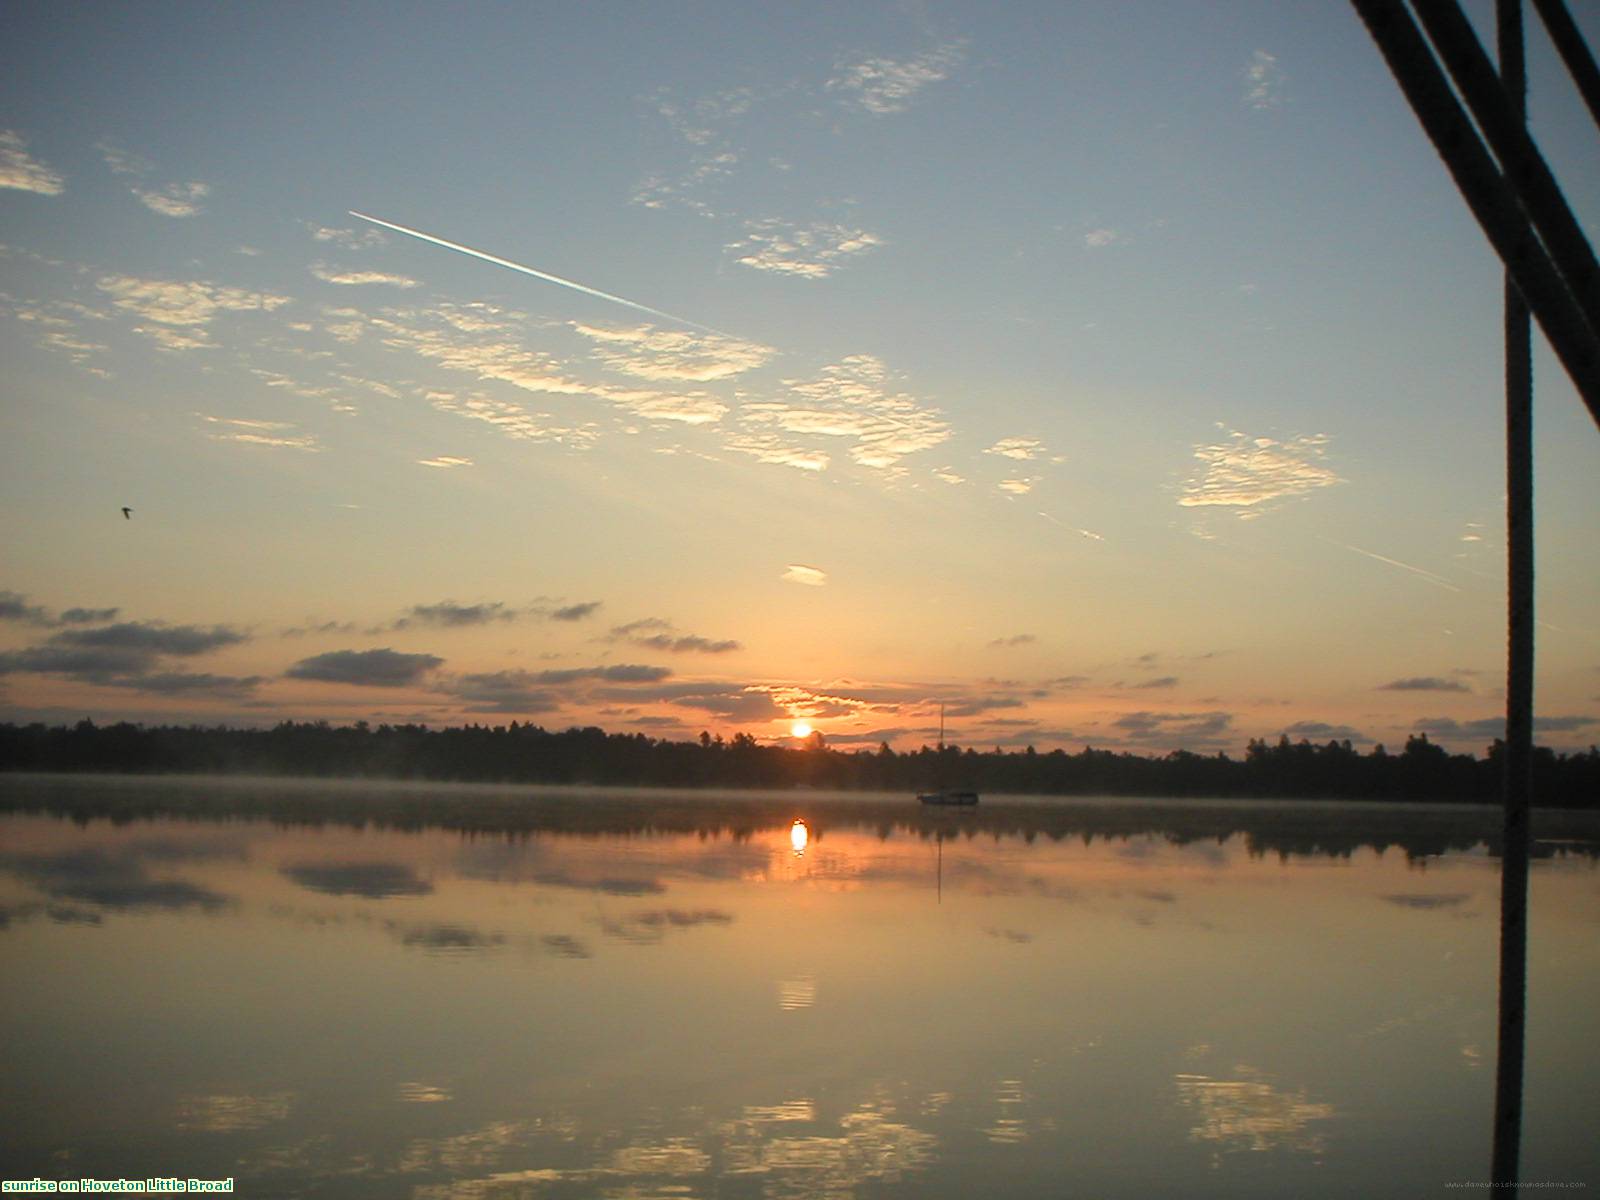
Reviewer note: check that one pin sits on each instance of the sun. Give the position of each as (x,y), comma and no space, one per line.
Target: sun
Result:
(800,729)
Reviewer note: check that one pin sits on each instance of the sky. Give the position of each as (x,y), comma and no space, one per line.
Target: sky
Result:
(1113,374)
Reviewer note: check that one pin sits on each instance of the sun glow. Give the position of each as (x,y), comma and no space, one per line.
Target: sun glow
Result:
(799,835)
(800,729)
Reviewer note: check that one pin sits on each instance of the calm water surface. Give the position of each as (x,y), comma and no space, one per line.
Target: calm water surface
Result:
(492,993)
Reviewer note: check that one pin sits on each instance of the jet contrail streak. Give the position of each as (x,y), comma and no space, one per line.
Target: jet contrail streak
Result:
(548,278)
(1436,580)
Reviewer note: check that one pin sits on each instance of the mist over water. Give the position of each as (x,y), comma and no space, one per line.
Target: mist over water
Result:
(476,992)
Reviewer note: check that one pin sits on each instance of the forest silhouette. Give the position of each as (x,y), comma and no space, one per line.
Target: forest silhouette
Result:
(517,753)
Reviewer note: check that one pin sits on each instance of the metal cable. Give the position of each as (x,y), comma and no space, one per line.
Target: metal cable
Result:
(1523,166)
(1491,198)
(1574,52)
(1517,782)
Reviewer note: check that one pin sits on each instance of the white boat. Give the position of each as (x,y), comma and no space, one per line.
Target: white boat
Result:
(946,795)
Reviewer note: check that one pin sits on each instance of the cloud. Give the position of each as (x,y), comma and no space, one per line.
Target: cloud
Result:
(1017,487)
(1428,900)
(1174,728)
(452,615)
(370,880)
(491,345)
(127,655)
(741,706)
(620,673)
(174,200)
(1424,683)
(87,616)
(1097,239)
(1246,471)
(575,612)
(184,683)
(366,668)
(445,462)
(348,239)
(1020,639)
(19,170)
(650,926)
(511,420)
(646,352)
(114,881)
(886,85)
(1263,81)
(1320,730)
(182,307)
(14,606)
(259,433)
(152,638)
(1495,727)
(360,278)
(802,574)
(1020,448)
(1166,681)
(852,399)
(653,633)
(805,251)
(504,691)
(84,664)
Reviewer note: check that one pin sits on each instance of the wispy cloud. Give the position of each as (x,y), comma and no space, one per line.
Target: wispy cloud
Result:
(802,574)
(1263,81)
(886,85)
(347,239)
(170,200)
(646,352)
(445,462)
(806,251)
(182,309)
(279,434)
(1245,472)
(1020,448)
(511,420)
(852,399)
(23,172)
(174,200)
(1017,487)
(492,347)
(1099,239)
(346,278)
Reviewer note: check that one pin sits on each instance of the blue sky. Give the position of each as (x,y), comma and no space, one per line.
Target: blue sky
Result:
(1123,374)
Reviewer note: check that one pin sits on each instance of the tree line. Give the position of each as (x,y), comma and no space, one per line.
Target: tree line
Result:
(527,753)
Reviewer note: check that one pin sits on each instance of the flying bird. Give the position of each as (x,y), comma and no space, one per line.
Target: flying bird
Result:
(127,513)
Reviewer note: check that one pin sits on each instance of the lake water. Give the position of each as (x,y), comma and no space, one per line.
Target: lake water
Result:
(456,992)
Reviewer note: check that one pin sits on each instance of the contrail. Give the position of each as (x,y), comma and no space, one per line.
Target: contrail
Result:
(1436,580)
(548,278)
